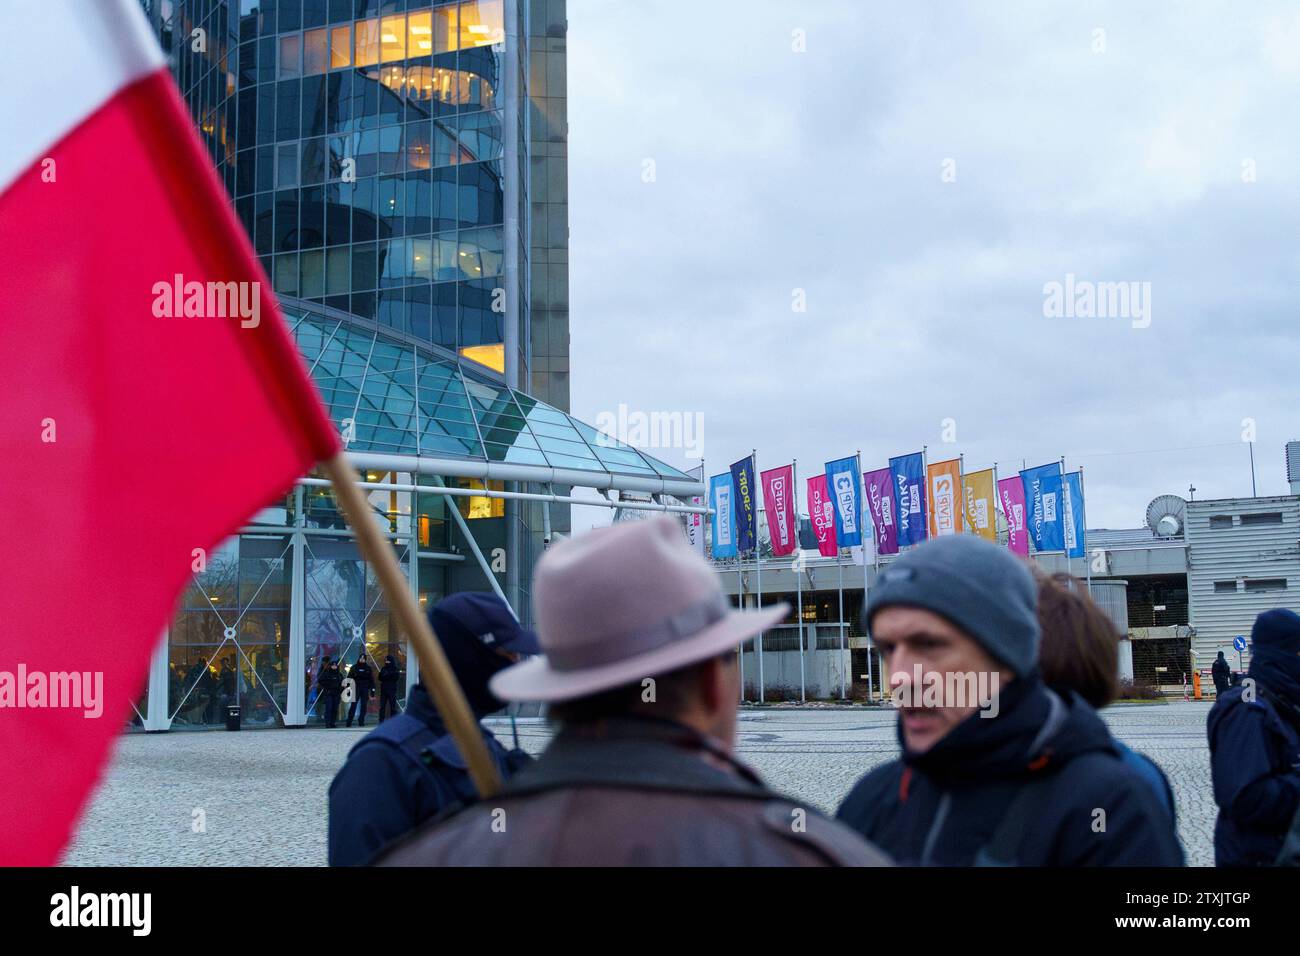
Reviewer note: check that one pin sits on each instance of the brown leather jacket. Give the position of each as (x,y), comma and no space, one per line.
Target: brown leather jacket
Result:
(634,792)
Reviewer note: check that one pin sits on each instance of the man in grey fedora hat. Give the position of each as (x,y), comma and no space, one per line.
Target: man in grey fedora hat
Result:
(639,666)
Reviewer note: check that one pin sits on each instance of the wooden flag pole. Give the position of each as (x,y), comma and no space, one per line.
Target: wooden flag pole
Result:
(434,669)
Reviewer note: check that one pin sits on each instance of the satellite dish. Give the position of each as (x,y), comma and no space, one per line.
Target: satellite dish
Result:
(1165,515)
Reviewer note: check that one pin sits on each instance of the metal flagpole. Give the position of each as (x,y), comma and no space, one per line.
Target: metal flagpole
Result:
(1061,517)
(740,600)
(997,500)
(839,563)
(863,516)
(1087,561)
(876,564)
(925,483)
(961,489)
(798,576)
(758,554)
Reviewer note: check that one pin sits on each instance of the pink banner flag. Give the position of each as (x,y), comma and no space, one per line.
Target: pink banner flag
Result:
(1011,492)
(778,499)
(821,509)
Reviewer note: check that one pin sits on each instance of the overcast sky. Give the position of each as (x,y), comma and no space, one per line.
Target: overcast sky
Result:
(1111,141)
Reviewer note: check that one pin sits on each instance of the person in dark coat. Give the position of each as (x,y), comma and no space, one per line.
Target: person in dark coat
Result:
(1080,653)
(1010,773)
(1221,673)
(330,682)
(410,768)
(640,669)
(389,676)
(1254,731)
(363,684)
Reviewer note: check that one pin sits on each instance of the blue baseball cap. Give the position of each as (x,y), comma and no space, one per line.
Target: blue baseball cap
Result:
(471,627)
(483,617)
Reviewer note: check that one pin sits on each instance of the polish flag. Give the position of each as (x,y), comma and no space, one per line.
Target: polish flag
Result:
(134,440)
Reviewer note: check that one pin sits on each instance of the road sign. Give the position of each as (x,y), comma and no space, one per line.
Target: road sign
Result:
(1239,643)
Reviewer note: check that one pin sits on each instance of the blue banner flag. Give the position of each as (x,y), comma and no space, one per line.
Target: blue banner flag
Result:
(1072,491)
(746,507)
(844,486)
(724,516)
(1042,500)
(909,488)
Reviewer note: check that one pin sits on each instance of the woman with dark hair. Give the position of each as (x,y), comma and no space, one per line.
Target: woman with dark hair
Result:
(1080,652)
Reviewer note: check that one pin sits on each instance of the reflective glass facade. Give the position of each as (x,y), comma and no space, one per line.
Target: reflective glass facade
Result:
(365,146)
(378,154)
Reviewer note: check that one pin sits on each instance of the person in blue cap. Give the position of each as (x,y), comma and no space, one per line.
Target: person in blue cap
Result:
(409,769)
(1254,731)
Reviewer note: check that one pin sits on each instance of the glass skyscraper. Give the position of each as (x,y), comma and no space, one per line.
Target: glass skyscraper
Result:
(387,159)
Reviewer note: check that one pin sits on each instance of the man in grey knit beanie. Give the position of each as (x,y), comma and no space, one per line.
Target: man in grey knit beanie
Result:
(996,768)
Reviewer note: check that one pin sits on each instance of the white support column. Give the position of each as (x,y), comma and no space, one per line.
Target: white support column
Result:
(156,716)
(413,575)
(295,706)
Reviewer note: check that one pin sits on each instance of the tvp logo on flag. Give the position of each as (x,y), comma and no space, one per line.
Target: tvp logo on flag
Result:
(695,526)
(842,481)
(1042,490)
(746,510)
(1012,493)
(981,508)
(778,498)
(909,484)
(724,516)
(880,499)
(822,514)
(945,498)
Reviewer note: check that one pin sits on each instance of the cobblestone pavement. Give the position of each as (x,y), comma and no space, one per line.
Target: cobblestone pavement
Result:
(261,795)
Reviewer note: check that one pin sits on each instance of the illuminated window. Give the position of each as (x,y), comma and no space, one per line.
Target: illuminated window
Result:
(392,36)
(419,34)
(313,51)
(393,77)
(482,23)
(493,356)
(291,56)
(444,30)
(446,86)
(367,45)
(340,47)
(481,506)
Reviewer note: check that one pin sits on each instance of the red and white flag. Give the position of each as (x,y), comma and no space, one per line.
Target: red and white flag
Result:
(778,499)
(153,399)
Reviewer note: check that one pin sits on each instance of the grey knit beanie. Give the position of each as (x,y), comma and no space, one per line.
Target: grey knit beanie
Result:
(982,588)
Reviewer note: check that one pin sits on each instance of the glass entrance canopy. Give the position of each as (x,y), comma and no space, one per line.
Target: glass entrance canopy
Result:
(389,395)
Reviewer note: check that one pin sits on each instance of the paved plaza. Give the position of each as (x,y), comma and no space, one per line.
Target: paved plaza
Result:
(260,796)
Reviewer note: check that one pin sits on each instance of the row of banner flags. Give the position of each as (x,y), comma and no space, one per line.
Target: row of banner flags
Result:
(897,506)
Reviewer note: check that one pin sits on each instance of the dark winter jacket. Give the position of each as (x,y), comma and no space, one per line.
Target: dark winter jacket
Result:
(1255,766)
(364,677)
(330,681)
(388,677)
(634,792)
(1221,673)
(1040,784)
(404,772)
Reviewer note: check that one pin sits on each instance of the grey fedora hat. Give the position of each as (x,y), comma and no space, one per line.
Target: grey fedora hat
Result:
(623,603)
